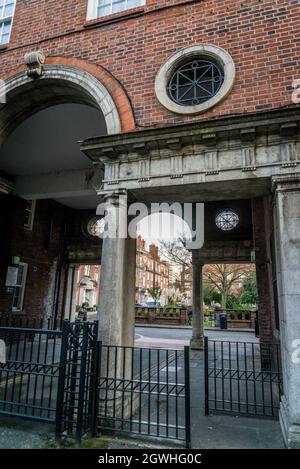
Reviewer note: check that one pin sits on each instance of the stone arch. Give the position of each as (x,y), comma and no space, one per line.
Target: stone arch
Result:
(63,81)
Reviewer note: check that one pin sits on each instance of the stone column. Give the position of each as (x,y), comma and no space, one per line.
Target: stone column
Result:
(287,234)
(116,311)
(197,341)
(117,305)
(129,292)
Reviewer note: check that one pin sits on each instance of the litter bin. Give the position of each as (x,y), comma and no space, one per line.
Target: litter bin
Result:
(223,321)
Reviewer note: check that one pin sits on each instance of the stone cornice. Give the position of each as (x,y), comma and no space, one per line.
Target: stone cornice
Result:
(285,182)
(243,130)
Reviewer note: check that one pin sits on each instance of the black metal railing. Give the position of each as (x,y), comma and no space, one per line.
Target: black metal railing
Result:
(68,377)
(143,391)
(242,378)
(76,379)
(22,321)
(29,376)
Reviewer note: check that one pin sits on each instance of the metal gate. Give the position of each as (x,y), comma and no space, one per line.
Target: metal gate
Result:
(29,376)
(69,378)
(242,378)
(121,389)
(76,390)
(144,391)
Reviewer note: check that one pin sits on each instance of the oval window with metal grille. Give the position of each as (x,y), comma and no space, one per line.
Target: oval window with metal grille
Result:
(227,220)
(195,79)
(96,227)
(195,82)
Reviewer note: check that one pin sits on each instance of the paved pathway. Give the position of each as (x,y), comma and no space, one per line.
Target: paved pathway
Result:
(214,431)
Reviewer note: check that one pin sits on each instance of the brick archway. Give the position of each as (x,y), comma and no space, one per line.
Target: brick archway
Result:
(66,80)
(111,84)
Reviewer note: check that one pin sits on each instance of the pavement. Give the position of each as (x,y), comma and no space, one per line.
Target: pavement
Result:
(208,432)
(226,431)
(214,431)
(178,338)
(18,433)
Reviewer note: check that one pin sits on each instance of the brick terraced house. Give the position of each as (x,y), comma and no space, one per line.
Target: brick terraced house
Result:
(151,270)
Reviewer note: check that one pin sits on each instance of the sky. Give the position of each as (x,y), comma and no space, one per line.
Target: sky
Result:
(162,227)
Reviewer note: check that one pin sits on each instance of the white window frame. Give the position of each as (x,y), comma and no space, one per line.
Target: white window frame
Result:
(29,226)
(4,19)
(22,287)
(93,5)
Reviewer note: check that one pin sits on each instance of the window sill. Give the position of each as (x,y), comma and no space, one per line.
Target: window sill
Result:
(3,46)
(123,15)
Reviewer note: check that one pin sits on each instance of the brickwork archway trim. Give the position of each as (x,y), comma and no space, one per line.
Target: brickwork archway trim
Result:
(103,89)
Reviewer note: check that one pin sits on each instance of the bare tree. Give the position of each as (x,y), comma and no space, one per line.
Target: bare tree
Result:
(223,277)
(175,252)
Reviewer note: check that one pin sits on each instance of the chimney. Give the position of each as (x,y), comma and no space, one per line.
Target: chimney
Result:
(153,249)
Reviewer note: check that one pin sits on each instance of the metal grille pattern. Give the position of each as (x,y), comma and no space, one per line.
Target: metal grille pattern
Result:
(195,82)
(227,220)
(75,393)
(145,392)
(29,377)
(242,378)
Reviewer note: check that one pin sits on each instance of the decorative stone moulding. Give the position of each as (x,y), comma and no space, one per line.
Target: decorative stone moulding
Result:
(200,52)
(35,63)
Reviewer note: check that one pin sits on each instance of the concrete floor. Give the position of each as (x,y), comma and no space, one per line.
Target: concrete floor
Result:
(226,431)
(212,432)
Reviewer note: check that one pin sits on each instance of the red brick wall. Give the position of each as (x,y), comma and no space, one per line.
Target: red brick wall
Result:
(262,37)
(38,248)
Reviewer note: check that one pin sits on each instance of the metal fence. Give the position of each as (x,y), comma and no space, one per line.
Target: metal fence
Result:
(242,378)
(68,377)
(121,389)
(144,391)
(29,377)
(76,390)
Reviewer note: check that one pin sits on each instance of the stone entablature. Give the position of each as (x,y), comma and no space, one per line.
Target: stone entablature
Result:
(228,149)
(225,251)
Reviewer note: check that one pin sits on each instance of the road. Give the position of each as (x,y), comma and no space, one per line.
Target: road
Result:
(178,338)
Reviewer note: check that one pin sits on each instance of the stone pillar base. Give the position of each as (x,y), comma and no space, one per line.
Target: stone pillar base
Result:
(197,343)
(290,430)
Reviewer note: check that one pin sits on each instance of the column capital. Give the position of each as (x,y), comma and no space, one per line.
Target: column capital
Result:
(285,182)
(113,194)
